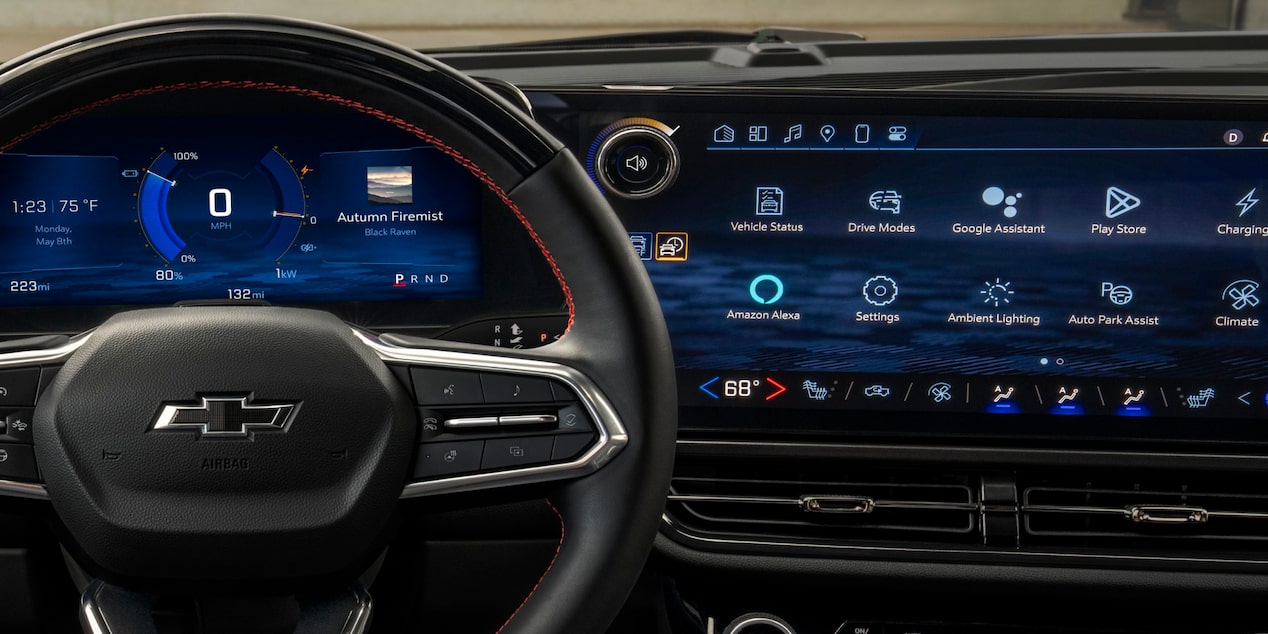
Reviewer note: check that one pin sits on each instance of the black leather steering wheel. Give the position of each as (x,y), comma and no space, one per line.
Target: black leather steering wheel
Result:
(142,520)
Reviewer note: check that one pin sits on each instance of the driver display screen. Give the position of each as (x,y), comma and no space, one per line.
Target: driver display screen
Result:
(150,202)
(1107,268)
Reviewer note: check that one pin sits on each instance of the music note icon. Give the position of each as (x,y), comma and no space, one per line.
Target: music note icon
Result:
(794,133)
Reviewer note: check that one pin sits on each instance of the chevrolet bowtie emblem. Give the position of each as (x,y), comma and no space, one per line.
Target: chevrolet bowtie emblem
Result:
(224,417)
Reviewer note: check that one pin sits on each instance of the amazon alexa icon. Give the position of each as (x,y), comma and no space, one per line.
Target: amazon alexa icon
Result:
(766,289)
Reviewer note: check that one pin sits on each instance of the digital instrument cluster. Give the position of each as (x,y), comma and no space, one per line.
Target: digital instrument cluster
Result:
(149,202)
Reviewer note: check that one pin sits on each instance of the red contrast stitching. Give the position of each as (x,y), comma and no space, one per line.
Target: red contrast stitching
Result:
(547,571)
(398,122)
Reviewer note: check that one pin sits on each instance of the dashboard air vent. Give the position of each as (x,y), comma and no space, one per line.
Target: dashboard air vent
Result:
(1160,513)
(822,502)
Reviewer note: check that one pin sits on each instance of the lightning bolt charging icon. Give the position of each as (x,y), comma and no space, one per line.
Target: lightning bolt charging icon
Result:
(1247,202)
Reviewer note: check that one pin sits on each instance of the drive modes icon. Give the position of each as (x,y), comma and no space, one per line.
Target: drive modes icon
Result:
(886,200)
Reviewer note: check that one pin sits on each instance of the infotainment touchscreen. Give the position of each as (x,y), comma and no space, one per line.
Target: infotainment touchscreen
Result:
(985,265)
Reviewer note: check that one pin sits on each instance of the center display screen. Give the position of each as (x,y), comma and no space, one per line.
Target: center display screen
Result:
(966,265)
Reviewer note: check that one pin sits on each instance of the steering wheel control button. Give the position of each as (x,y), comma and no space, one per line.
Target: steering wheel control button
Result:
(573,418)
(516,452)
(18,387)
(569,446)
(17,462)
(448,458)
(16,426)
(636,161)
(471,422)
(510,388)
(446,387)
(521,420)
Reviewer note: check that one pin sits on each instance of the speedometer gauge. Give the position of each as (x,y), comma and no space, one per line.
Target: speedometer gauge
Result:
(198,206)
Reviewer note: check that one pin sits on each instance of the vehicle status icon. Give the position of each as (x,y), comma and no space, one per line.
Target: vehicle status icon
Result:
(770,201)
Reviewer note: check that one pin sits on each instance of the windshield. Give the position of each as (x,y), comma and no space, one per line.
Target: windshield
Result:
(435,24)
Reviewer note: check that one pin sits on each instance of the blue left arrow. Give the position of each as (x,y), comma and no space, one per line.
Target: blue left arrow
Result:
(704,387)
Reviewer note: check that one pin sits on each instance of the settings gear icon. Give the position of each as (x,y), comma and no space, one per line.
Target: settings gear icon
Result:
(880,290)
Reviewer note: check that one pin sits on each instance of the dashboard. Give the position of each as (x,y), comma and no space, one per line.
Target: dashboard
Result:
(950,355)
(959,353)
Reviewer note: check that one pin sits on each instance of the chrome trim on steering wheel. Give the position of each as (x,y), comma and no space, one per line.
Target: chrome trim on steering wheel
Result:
(612,434)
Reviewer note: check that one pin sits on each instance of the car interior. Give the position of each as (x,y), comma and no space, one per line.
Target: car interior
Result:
(699,330)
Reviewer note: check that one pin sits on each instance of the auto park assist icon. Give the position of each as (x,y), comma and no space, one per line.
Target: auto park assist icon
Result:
(1118,294)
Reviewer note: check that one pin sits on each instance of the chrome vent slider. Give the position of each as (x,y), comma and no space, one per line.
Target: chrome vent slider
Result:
(1167,514)
(858,504)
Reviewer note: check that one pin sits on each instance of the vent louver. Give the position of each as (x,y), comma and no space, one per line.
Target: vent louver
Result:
(1145,514)
(823,503)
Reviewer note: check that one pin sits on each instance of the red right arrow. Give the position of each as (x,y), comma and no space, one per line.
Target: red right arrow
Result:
(782,389)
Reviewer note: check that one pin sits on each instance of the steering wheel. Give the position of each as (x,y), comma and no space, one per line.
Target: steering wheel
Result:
(322,419)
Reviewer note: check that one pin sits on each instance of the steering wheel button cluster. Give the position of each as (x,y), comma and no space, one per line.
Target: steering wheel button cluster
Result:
(18,387)
(448,458)
(15,426)
(516,452)
(435,386)
(17,462)
(510,388)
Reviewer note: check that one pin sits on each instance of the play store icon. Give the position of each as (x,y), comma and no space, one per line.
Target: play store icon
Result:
(1119,202)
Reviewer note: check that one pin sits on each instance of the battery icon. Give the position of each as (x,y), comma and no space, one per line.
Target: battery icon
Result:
(862,133)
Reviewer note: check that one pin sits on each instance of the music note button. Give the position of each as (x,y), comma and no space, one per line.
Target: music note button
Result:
(795,132)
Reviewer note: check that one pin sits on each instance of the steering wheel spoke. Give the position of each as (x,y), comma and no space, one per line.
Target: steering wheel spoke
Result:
(25,370)
(490,420)
(111,609)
